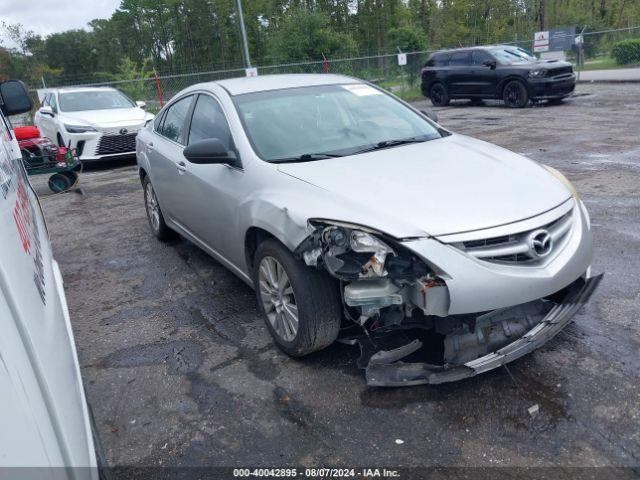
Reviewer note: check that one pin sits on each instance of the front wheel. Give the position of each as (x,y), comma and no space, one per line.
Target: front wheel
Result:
(301,306)
(515,94)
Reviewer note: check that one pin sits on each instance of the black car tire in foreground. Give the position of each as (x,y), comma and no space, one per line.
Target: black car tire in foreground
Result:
(498,72)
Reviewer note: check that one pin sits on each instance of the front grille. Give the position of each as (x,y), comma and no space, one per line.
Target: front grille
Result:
(111,143)
(561,71)
(516,248)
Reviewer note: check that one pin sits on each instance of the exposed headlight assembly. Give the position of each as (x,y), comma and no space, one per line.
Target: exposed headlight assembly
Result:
(542,72)
(351,252)
(79,128)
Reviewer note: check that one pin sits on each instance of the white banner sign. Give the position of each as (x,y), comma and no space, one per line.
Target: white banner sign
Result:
(541,42)
(251,72)
(402,59)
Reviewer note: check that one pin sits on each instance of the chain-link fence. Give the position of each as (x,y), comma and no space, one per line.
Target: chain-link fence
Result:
(603,49)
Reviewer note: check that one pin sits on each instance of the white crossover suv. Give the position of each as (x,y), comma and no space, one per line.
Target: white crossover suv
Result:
(100,123)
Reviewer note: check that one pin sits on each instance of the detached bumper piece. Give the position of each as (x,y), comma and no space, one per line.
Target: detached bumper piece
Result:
(385,368)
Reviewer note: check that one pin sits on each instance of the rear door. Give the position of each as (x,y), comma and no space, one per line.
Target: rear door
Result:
(166,160)
(459,73)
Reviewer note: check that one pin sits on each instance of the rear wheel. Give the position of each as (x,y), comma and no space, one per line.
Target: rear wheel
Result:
(301,306)
(439,95)
(154,213)
(515,94)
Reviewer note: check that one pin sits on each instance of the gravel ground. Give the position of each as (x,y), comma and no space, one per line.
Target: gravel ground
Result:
(180,369)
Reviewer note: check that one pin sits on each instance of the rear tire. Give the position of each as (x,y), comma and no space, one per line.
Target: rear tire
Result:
(154,213)
(286,288)
(515,94)
(439,95)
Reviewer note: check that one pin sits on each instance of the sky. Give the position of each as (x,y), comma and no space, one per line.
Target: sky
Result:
(50,16)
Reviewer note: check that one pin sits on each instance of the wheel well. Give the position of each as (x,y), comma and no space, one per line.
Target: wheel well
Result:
(507,80)
(254,237)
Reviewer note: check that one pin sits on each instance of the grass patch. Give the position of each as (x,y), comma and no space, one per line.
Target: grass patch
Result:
(605,63)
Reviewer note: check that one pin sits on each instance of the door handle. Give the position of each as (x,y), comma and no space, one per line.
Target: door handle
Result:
(181,166)
(149,146)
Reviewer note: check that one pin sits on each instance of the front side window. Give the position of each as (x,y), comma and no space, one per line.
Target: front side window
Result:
(208,121)
(173,126)
(479,57)
(510,56)
(330,119)
(94,100)
(53,102)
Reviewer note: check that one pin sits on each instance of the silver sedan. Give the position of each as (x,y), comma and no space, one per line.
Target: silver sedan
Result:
(356,217)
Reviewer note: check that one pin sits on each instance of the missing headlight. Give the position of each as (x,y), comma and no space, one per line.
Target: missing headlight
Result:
(352,253)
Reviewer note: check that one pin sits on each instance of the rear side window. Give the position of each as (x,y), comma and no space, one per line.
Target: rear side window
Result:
(173,125)
(208,121)
(438,60)
(460,59)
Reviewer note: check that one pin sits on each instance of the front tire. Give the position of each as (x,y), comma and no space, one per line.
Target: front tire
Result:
(439,95)
(301,306)
(515,94)
(154,213)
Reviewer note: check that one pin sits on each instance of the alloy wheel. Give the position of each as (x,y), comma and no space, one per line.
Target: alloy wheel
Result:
(278,300)
(153,210)
(437,94)
(514,94)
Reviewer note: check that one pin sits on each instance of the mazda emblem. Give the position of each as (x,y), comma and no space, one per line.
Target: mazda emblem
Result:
(540,243)
(123,131)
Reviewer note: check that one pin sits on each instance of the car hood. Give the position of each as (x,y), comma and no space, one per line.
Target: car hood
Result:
(444,186)
(113,117)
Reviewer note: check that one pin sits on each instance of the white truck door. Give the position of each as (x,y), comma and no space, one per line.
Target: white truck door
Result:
(43,411)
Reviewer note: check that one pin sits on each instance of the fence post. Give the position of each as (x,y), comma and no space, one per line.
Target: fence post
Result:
(158,88)
(325,64)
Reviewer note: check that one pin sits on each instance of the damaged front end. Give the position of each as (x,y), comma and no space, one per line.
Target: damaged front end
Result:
(397,308)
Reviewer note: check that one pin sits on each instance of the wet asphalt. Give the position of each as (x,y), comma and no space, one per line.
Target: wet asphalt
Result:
(180,369)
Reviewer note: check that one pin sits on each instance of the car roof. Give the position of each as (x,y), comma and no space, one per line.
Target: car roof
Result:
(242,85)
(83,89)
(469,49)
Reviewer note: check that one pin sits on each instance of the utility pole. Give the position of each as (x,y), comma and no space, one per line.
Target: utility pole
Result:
(243,33)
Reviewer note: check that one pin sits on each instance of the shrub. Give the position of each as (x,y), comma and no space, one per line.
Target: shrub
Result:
(627,51)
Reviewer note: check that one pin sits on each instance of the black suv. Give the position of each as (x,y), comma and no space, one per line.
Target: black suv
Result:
(497,71)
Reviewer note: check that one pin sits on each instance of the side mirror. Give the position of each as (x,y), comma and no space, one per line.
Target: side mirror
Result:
(489,63)
(141,104)
(431,114)
(47,110)
(14,98)
(209,151)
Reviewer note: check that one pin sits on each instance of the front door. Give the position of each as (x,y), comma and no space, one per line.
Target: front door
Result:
(210,205)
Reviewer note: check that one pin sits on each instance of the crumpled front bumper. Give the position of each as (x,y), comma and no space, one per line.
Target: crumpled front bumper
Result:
(385,368)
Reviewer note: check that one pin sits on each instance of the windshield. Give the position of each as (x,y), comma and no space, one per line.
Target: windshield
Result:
(509,56)
(79,101)
(333,120)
